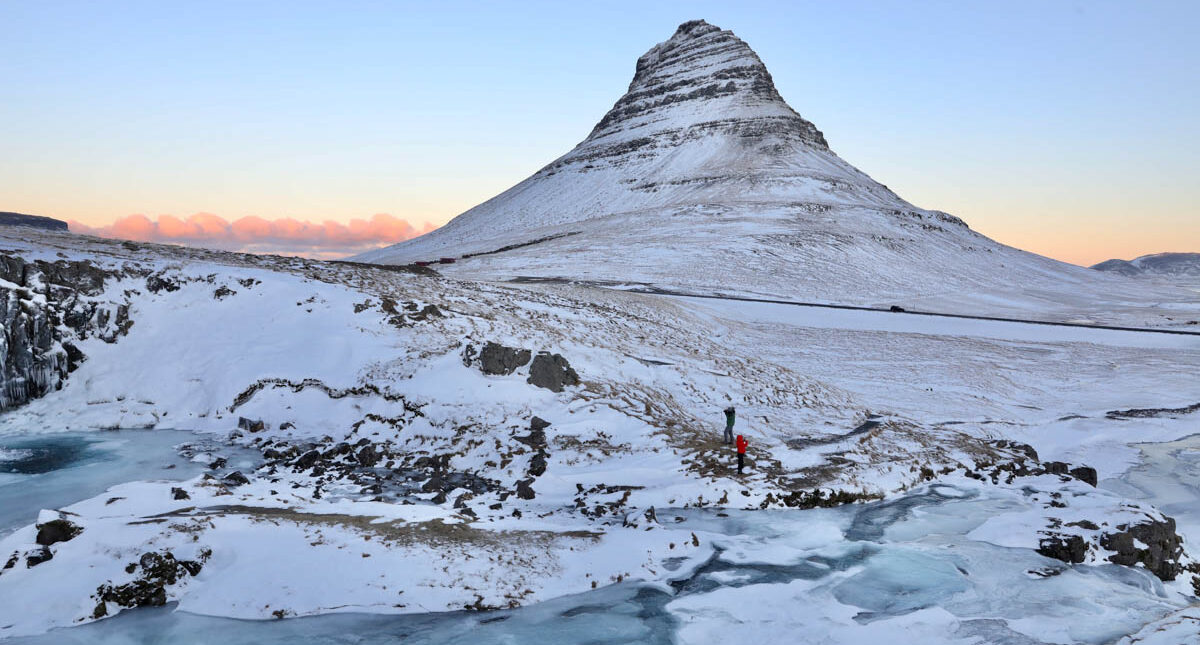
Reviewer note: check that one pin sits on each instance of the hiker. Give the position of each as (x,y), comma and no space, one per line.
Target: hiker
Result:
(741,448)
(729,418)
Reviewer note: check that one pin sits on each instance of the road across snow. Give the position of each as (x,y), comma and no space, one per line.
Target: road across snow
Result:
(800,315)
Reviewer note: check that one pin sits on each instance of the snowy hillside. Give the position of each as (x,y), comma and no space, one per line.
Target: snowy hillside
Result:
(526,445)
(422,444)
(702,178)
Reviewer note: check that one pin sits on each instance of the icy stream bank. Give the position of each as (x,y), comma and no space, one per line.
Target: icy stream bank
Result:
(849,574)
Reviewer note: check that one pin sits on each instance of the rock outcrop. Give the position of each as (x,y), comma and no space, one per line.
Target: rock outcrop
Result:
(552,372)
(45,308)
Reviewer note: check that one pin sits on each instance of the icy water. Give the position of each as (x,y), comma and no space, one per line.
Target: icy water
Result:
(54,470)
(842,575)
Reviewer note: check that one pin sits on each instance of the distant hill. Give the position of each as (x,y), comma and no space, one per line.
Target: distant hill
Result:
(1158,264)
(36,221)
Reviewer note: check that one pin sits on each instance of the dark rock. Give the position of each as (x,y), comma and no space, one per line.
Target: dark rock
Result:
(179,493)
(56,531)
(1019,447)
(1056,467)
(236,478)
(538,423)
(1068,548)
(223,292)
(552,371)
(158,283)
(525,489)
(75,357)
(435,483)
(1084,474)
(368,457)
(158,571)
(307,460)
(1164,547)
(498,360)
(338,450)
(1085,524)
(429,311)
(251,425)
(219,462)
(38,556)
(537,465)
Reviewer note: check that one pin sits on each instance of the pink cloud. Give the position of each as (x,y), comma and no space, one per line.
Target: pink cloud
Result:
(285,235)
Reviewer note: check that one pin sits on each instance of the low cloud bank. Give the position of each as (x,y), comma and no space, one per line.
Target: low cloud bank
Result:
(284,236)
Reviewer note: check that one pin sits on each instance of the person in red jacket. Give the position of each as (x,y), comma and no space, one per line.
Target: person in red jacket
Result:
(741,448)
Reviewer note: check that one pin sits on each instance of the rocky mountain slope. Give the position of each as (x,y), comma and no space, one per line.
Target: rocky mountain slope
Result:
(702,177)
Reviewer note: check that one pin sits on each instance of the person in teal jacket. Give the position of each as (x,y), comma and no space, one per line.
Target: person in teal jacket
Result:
(730,414)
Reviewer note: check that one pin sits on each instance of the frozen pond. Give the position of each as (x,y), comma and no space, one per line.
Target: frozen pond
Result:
(853,574)
(54,470)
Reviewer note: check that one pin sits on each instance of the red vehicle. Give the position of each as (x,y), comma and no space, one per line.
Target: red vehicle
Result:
(446,261)
(422,263)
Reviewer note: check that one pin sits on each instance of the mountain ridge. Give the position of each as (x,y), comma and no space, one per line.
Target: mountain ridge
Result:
(1154,264)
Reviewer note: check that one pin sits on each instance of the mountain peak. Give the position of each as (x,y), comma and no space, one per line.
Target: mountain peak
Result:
(706,77)
(694,28)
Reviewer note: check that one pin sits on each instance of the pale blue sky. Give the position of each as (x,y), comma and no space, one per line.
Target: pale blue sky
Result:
(1068,128)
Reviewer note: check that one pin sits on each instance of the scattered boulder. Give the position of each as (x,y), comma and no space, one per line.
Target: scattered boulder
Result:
(179,493)
(251,425)
(525,489)
(1085,474)
(1164,547)
(38,556)
(367,456)
(497,360)
(149,589)
(236,478)
(552,372)
(537,465)
(1056,468)
(158,283)
(1068,548)
(55,531)
(307,460)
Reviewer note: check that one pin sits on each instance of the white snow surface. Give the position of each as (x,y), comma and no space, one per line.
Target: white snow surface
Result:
(301,344)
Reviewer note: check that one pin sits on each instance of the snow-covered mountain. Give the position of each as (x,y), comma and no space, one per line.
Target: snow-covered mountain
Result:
(368,439)
(702,177)
(1157,264)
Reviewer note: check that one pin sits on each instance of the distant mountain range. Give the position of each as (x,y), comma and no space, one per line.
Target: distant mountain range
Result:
(36,221)
(1158,264)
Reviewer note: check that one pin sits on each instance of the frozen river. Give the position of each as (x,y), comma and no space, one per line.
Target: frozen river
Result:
(862,573)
